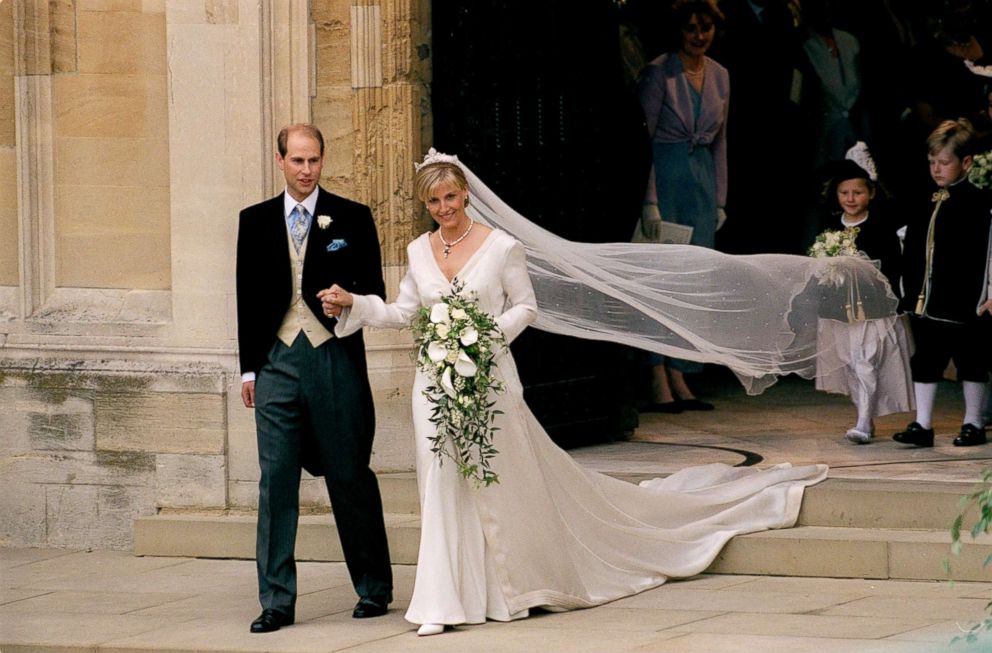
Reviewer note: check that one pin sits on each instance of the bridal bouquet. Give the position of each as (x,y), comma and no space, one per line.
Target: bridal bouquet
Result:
(456,344)
(840,242)
(980,173)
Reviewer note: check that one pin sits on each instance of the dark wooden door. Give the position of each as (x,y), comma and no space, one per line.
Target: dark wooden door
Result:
(544,115)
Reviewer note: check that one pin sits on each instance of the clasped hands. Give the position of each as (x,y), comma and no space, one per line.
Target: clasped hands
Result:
(334,299)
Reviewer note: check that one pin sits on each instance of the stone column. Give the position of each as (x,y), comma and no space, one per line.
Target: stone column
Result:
(388,84)
(370,101)
(288,73)
(35,165)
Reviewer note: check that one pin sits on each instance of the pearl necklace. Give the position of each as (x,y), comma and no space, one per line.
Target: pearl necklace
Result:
(447,245)
(689,71)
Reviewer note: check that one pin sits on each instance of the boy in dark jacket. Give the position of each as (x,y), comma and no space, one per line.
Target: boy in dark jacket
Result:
(945,282)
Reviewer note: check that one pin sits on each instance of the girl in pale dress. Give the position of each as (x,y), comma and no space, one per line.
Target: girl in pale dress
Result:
(870,359)
(550,533)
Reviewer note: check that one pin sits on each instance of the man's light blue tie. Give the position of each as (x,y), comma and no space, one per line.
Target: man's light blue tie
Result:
(299,225)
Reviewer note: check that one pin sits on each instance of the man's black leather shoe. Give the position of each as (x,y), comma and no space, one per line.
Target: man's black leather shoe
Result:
(369,607)
(970,436)
(271,620)
(915,434)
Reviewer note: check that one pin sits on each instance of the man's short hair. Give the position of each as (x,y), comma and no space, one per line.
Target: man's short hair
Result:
(310,130)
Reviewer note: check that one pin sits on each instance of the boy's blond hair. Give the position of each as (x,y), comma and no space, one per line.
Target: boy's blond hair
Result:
(957,135)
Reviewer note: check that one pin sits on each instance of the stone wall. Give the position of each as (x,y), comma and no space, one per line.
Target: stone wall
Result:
(131,134)
(90,445)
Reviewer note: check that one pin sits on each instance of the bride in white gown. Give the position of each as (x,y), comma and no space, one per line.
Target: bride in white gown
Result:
(551,533)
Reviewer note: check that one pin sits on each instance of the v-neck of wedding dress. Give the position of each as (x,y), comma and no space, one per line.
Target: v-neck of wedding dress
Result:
(471,259)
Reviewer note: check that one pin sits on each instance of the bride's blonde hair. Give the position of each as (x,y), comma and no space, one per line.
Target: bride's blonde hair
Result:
(433,175)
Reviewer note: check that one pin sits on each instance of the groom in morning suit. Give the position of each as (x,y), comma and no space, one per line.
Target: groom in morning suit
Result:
(310,390)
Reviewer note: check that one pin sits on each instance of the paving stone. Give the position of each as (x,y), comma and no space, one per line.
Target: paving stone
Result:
(710,643)
(74,602)
(217,601)
(924,609)
(805,625)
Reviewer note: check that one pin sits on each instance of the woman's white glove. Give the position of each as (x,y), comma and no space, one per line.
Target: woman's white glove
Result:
(651,222)
(721,217)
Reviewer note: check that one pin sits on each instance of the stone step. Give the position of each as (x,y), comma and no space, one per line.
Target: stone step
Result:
(802,551)
(399,493)
(870,503)
(848,503)
(233,536)
(848,528)
(855,553)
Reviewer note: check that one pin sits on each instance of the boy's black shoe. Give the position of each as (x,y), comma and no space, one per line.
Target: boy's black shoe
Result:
(916,435)
(970,436)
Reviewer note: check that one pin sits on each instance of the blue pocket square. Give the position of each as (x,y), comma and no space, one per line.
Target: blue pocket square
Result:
(336,244)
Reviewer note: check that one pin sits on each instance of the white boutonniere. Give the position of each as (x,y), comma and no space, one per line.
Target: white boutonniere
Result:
(324,221)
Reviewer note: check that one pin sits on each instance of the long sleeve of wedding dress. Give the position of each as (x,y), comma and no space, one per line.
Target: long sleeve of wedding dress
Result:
(371,310)
(521,307)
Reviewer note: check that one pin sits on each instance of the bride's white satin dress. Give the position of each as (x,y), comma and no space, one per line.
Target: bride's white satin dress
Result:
(552,533)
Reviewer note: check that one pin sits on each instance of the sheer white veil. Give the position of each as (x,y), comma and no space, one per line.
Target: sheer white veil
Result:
(756,315)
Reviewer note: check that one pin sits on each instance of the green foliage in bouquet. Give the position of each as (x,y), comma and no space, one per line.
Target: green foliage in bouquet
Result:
(456,344)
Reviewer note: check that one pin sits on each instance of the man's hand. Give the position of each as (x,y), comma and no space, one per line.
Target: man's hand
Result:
(334,299)
(985,308)
(651,222)
(721,217)
(248,394)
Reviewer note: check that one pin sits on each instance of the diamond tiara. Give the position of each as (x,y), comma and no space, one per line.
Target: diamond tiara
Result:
(433,156)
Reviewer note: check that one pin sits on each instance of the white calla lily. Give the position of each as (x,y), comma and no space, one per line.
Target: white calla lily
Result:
(446,384)
(459,314)
(465,366)
(469,337)
(439,313)
(436,351)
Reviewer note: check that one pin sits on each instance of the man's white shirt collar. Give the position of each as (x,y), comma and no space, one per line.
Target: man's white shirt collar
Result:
(309,203)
